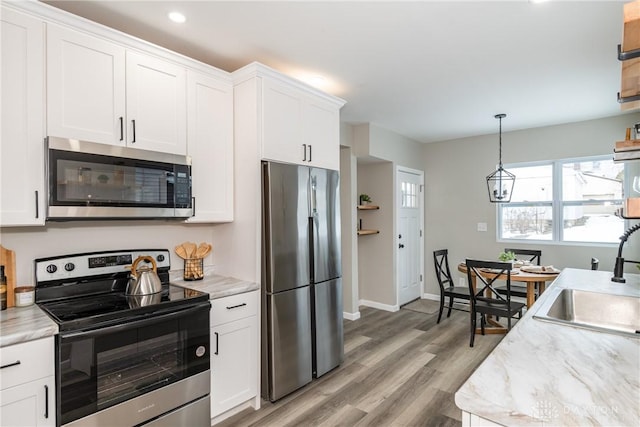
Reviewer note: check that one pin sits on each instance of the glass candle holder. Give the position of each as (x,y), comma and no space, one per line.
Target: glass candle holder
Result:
(193,269)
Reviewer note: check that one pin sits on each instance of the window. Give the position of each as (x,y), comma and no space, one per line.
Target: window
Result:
(409,195)
(565,201)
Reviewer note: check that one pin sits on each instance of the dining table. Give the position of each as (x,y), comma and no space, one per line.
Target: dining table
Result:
(528,274)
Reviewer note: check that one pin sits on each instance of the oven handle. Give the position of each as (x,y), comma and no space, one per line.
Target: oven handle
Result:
(153,319)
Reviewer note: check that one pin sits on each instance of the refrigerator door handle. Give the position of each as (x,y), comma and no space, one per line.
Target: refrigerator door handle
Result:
(314,200)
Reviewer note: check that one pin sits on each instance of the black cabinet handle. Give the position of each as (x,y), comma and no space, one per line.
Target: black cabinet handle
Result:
(310,152)
(134,130)
(237,306)
(304,152)
(46,401)
(401,246)
(193,206)
(121,128)
(37,207)
(216,352)
(8,365)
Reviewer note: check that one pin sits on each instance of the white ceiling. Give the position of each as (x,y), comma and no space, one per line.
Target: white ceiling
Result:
(429,70)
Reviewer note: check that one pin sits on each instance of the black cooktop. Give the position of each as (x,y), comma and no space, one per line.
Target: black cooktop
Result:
(90,311)
(87,291)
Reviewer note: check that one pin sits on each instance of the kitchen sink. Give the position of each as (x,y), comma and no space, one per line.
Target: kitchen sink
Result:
(618,314)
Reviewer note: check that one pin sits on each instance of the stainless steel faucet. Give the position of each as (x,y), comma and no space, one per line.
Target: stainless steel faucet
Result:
(618,270)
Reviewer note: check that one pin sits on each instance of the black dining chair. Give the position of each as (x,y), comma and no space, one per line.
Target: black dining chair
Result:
(531,255)
(486,300)
(447,288)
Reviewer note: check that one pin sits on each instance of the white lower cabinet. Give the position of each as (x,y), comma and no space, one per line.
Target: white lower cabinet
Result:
(234,346)
(27,394)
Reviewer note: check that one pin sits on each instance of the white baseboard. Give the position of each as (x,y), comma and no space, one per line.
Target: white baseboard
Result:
(378,305)
(351,316)
(433,297)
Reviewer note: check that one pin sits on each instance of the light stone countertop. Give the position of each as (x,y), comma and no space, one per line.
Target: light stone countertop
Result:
(215,285)
(21,324)
(546,374)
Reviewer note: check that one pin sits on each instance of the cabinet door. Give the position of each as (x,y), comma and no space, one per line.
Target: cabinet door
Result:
(282,123)
(29,404)
(322,133)
(234,364)
(156,104)
(22,131)
(210,145)
(85,87)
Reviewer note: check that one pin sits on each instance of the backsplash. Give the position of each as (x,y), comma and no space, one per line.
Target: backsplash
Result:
(63,238)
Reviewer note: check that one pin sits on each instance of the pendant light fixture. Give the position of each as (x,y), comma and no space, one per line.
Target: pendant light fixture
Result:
(500,183)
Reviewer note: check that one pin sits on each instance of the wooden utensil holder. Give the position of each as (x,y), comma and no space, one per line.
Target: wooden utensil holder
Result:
(193,269)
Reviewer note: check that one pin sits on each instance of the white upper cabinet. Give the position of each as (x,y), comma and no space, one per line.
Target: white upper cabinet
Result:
(101,92)
(210,145)
(321,124)
(22,132)
(85,87)
(299,126)
(289,121)
(282,123)
(156,104)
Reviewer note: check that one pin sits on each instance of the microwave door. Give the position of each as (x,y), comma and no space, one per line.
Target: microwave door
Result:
(87,180)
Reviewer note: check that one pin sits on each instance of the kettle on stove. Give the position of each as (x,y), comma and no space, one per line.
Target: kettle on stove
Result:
(144,280)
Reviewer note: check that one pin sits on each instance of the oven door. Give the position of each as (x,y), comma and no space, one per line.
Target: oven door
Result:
(126,366)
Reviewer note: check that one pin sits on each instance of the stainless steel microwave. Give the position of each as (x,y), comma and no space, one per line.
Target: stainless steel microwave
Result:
(99,181)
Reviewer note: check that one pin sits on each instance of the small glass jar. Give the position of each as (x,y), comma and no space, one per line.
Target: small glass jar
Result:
(25,295)
(193,269)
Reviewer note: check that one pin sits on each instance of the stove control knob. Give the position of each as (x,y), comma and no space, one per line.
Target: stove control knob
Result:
(69,266)
(160,258)
(51,268)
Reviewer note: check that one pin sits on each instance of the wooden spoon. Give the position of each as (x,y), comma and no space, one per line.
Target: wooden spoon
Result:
(207,249)
(181,251)
(202,250)
(190,248)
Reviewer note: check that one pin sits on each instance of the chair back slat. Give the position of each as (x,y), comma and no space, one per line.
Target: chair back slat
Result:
(443,274)
(484,284)
(532,255)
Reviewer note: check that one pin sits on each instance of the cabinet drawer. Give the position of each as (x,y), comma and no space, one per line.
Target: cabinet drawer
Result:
(234,307)
(36,361)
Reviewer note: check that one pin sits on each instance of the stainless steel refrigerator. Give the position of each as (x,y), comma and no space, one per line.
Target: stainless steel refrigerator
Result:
(302,335)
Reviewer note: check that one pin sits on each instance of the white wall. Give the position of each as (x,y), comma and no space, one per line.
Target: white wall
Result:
(349,246)
(376,253)
(456,196)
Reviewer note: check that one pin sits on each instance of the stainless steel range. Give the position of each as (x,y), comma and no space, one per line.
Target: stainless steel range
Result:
(125,360)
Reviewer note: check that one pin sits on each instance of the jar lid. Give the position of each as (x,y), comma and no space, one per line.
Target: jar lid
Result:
(21,289)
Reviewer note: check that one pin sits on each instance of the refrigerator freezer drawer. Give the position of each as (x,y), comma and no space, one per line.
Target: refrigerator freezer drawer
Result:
(329,341)
(288,341)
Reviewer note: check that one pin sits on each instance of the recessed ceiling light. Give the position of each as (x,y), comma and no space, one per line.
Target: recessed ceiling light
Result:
(177,17)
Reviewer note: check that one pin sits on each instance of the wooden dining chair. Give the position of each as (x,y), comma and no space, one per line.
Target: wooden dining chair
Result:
(447,287)
(485,299)
(531,255)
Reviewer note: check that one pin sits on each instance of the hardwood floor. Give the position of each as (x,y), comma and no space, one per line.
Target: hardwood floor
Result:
(400,369)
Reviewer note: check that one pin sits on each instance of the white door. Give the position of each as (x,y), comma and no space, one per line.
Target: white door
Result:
(156,104)
(85,87)
(210,145)
(409,242)
(22,117)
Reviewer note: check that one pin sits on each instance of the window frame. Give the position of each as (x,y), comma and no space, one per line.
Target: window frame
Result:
(558,204)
